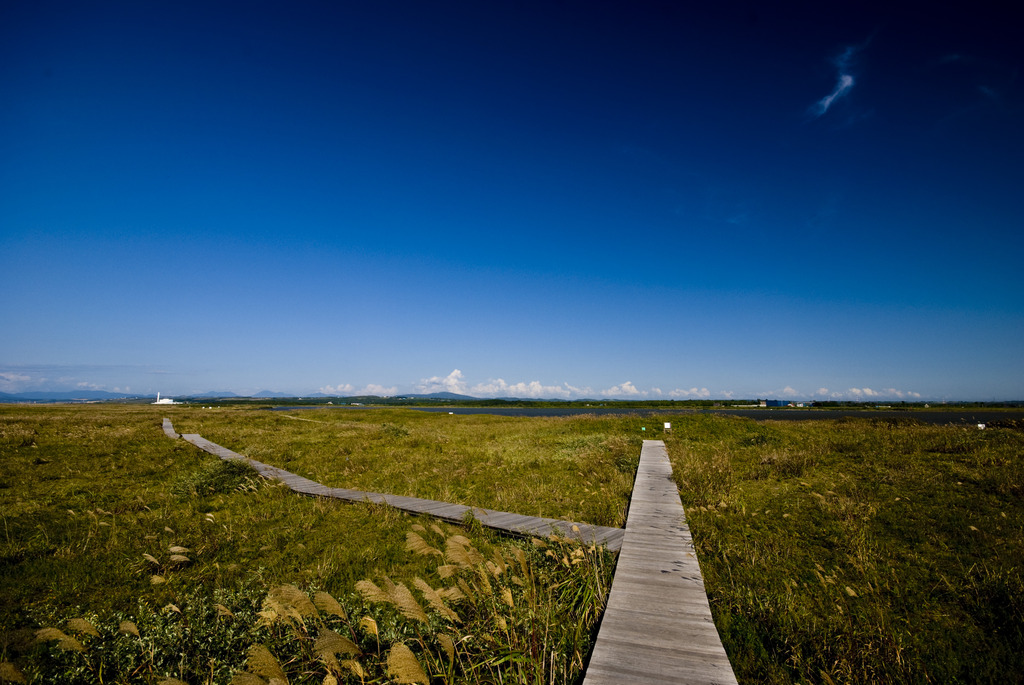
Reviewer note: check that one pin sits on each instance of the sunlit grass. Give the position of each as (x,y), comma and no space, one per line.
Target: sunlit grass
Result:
(577,469)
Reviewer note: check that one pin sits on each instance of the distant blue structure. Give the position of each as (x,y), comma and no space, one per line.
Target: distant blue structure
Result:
(777,403)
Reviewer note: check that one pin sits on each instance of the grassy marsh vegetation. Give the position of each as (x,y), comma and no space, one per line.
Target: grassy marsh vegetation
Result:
(854,550)
(841,550)
(142,559)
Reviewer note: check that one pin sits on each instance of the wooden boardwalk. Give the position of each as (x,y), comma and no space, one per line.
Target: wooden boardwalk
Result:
(456,513)
(657,627)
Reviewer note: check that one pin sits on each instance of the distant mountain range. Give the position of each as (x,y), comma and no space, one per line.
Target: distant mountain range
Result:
(439,396)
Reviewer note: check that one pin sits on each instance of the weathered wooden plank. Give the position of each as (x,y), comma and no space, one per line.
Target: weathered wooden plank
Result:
(657,626)
(454,513)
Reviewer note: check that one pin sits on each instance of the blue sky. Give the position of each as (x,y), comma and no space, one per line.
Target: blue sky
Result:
(540,199)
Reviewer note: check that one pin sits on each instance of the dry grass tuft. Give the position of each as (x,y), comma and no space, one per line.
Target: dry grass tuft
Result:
(447,570)
(497,564)
(288,604)
(329,644)
(334,643)
(372,592)
(262,662)
(407,604)
(128,628)
(460,551)
(369,625)
(395,594)
(447,644)
(436,600)
(64,641)
(417,545)
(355,668)
(403,666)
(10,673)
(327,604)
(83,627)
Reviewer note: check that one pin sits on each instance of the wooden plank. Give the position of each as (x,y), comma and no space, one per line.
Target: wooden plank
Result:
(504,521)
(657,626)
(169,430)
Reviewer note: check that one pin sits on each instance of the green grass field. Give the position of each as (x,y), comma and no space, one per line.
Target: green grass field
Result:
(844,550)
(854,550)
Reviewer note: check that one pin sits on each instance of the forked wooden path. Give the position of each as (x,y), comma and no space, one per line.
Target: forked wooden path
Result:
(657,626)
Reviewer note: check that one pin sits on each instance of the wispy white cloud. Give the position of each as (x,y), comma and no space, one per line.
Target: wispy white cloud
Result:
(862,394)
(340,389)
(693,392)
(349,389)
(887,393)
(626,389)
(845,84)
(498,387)
(576,391)
(844,80)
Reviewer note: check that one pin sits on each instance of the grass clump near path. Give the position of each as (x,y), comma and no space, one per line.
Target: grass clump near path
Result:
(854,550)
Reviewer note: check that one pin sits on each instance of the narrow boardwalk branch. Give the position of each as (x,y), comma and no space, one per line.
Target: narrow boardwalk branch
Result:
(657,627)
(499,520)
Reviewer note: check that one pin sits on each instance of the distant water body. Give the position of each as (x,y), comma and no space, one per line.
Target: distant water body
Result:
(935,416)
(941,417)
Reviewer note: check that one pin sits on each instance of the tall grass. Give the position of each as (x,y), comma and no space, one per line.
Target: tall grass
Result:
(859,551)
